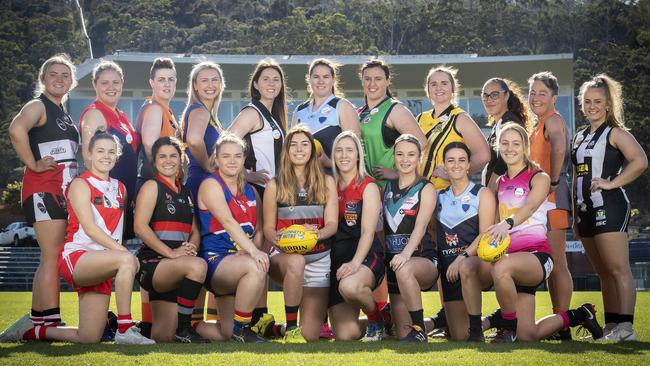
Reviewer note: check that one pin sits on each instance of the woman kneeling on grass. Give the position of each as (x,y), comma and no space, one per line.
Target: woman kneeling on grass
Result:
(357,255)
(521,198)
(169,268)
(231,239)
(93,254)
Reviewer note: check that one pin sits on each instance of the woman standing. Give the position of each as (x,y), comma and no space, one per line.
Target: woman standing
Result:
(326,113)
(383,120)
(46,141)
(549,144)
(201,127)
(357,255)
(93,254)
(601,208)
(409,201)
(503,102)
(155,120)
(446,123)
(169,269)
(302,194)
(103,114)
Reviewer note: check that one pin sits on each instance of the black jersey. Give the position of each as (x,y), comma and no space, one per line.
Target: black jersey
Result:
(171,219)
(496,165)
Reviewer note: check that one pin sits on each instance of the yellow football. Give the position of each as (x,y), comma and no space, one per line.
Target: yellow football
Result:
(319,147)
(490,250)
(297,239)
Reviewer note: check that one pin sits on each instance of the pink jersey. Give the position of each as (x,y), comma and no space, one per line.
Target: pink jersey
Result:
(529,236)
(107,202)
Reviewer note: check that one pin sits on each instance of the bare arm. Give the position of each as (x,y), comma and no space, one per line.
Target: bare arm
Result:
(331,214)
(93,120)
(637,161)
(348,117)
(247,121)
(30,116)
(151,127)
(197,123)
(557,136)
(475,140)
(402,120)
(258,239)
(79,196)
(270,212)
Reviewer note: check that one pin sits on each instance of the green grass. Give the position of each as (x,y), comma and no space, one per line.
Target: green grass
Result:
(441,352)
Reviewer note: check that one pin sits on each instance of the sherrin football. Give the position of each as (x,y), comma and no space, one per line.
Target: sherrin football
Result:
(490,250)
(297,239)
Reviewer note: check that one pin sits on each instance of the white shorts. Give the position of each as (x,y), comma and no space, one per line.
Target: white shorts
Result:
(317,273)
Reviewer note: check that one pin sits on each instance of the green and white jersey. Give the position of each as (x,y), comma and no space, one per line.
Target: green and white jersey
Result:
(378,139)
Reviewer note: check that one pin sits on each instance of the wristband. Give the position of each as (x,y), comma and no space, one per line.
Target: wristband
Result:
(510,221)
(464,254)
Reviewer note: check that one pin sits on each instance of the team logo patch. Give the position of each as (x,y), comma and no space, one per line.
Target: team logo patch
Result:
(62,124)
(465,203)
(171,208)
(322,119)
(276,134)
(350,218)
(41,207)
(601,218)
(519,192)
(366,119)
(168,198)
(451,239)
(374,111)
(350,205)
(591,144)
(578,141)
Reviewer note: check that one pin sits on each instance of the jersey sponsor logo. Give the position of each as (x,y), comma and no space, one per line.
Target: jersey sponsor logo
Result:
(41,207)
(61,123)
(350,218)
(171,208)
(519,192)
(168,198)
(578,141)
(396,243)
(60,149)
(601,218)
(548,267)
(408,212)
(98,201)
(582,169)
(326,110)
(108,203)
(591,144)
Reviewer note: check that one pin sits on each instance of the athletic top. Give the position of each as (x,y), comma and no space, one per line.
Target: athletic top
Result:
(107,202)
(457,221)
(243,207)
(401,207)
(350,209)
(323,122)
(118,125)
(304,213)
(195,172)
(378,139)
(58,138)
(171,219)
(266,142)
(169,128)
(440,131)
(496,165)
(594,157)
(530,235)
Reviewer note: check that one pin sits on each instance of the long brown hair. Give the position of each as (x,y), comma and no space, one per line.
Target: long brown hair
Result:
(279,109)
(287,181)
(515,102)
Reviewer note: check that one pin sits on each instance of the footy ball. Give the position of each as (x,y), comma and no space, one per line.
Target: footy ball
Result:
(297,239)
(490,250)
(319,147)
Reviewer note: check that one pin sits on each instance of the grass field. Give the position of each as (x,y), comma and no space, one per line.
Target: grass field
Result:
(438,352)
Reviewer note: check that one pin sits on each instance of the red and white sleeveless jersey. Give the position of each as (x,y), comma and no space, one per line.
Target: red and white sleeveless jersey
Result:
(107,202)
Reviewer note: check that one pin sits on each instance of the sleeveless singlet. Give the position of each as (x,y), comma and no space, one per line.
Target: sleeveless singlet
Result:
(457,221)
(195,172)
(594,157)
(58,138)
(243,207)
(304,213)
(323,122)
(171,219)
(401,208)
(439,131)
(118,125)
(529,236)
(107,200)
(378,139)
(496,165)
(266,143)
(169,128)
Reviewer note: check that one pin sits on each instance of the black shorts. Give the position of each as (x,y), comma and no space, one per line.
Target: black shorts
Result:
(145,278)
(374,261)
(44,206)
(612,217)
(391,278)
(546,262)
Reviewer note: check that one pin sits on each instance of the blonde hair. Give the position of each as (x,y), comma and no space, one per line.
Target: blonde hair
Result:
(227,137)
(192,95)
(334,71)
(287,181)
(59,59)
(361,166)
(105,65)
(519,129)
(613,93)
(451,73)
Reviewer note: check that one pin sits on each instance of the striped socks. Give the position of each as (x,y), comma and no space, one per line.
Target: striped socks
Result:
(242,319)
(186,299)
(291,313)
(124,322)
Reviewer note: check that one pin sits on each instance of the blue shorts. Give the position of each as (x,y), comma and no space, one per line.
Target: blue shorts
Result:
(213,259)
